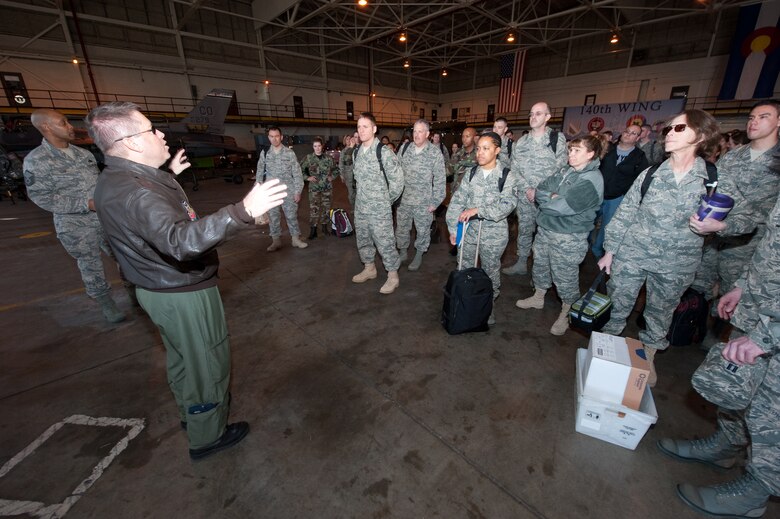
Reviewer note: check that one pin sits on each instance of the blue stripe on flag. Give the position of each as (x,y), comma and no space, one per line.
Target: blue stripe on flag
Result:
(746,24)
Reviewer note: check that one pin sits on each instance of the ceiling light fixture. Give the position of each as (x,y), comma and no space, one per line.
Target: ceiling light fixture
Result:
(406,63)
(510,38)
(362,3)
(266,82)
(402,37)
(444,72)
(614,38)
(75,61)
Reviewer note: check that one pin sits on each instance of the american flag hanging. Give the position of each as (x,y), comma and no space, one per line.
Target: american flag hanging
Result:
(511,83)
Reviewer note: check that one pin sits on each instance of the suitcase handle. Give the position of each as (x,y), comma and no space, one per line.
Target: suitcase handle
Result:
(476,256)
(591,292)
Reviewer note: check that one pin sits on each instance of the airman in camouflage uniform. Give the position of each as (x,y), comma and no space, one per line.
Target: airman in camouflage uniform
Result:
(754,307)
(533,160)
(500,127)
(568,202)
(280,162)
(346,167)
(649,241)
(751,177)
(376,193)
(654,150)
(424,181)
(479,197)
(318,169)
(466,157)
(61,179)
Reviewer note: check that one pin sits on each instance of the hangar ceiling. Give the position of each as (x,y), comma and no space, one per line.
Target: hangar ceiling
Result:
(341,39)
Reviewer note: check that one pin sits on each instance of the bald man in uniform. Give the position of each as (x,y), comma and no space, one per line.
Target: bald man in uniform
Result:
(61,179)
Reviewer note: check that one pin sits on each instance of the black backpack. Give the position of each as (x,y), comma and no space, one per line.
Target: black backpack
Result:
(711,182)
(689,322)
(501,181)
(378,158)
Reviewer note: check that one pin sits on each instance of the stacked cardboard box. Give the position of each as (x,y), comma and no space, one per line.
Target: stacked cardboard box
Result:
(614,403)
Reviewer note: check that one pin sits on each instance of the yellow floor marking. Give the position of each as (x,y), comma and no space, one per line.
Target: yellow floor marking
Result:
(35,235)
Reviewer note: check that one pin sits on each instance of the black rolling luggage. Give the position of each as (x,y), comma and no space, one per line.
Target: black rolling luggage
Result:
(468,297)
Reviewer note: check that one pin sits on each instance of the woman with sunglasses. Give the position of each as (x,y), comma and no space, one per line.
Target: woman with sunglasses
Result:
(649,242)
(568,202)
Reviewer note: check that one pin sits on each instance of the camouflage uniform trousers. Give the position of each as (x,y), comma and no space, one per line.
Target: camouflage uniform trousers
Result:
(319,207)
(557,258)
(349,180)
(83,238)
(492,243)
(290,208)
(663,295)
(422,218)
(723,260)
(759,425)
(374,231)
(526,226)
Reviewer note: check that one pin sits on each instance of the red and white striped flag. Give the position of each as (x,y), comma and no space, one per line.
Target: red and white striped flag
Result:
(511,83)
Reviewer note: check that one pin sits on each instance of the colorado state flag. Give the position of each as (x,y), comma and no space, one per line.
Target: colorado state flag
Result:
(755,53)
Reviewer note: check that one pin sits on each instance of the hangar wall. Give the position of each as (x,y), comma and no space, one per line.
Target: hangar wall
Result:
(703,76)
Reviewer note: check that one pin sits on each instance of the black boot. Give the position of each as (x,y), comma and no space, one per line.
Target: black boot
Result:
(313,233)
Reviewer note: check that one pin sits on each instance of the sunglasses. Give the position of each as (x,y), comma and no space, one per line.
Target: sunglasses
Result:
(152,129)
(678,128)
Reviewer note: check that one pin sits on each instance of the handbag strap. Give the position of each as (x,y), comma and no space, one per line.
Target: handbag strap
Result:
(591,292)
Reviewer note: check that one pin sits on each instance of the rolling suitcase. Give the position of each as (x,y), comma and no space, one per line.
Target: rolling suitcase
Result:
(468,297)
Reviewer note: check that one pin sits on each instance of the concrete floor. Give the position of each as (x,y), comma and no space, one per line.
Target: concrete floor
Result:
(360,404)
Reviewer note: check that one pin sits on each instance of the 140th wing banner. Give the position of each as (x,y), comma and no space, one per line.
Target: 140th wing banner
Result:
(579,120)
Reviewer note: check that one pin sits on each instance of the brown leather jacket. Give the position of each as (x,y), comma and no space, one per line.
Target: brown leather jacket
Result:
(156,235)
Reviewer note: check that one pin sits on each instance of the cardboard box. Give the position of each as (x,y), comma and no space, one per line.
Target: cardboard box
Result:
(616,370)
(612,422)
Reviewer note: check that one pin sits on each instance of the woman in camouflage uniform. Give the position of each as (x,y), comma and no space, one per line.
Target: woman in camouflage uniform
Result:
(480,197)
(568,202)
(649,241)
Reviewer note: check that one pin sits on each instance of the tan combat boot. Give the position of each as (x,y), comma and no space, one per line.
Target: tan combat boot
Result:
(275,245)
(535,301)
(561,324)
(650,354)
(391,284)
(369,272)
(298,242)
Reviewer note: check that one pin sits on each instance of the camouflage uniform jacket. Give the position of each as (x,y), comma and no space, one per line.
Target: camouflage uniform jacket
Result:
(372,188)
(60,184)
(655,235)
(480,192)
(424,176)
(580,194)
(462,162)
(761,283)
(533,161)
(282,165)
(320,167)
(754,186)
(654,151)
(345,159)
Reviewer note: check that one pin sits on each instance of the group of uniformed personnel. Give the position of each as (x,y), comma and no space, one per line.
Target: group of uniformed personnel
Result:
(653,239)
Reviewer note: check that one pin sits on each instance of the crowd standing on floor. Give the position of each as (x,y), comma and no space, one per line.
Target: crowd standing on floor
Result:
(632,202)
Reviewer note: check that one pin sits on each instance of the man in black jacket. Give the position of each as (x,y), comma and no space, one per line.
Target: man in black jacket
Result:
(619,167)
(169,253)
